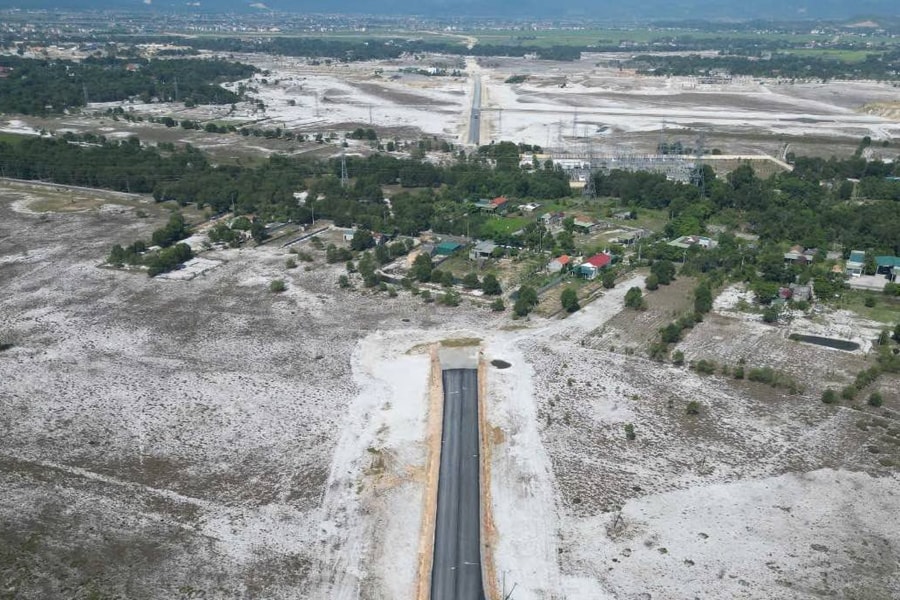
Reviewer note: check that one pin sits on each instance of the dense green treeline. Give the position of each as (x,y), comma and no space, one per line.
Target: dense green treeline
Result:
(40,87)
(851,202)
(815,205)
(879,66)
(355,50)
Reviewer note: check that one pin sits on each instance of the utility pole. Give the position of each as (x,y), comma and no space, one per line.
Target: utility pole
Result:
(176,89)
(84,88)
(370,114)
(344,178)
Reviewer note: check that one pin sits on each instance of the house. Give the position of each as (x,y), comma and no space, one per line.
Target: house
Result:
(560,263)
(799,255)
(591,267)
(801,293)
(530,207)
(629,237)
(482,250)
(498,205)
(446,248)
(622,216)
(552,219)
(887,265)
(586,224)
(688,241)
(348,234)
(856,263)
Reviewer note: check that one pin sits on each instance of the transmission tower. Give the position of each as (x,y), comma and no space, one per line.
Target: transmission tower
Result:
(590,190)
(699,172)
(344,178)
(84,87)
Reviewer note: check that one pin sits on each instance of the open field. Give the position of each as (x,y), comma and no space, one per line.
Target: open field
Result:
(575,107)
(207,438)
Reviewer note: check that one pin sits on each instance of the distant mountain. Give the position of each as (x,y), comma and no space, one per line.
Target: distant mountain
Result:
(618,10)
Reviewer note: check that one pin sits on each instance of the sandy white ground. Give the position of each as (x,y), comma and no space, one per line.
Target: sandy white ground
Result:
(212,436)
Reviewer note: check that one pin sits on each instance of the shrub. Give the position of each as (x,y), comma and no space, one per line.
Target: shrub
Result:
(498,305)
(490,285)
(848,393)
(693,408)
(829,396)
(875,399)
(869,301)
(678,358)
(702,298)
(608,279)
(470,281)
(705,367)
(290,263)
(652,282)
(657,350)
(343,281)
(569,300)
(629,432)
(738,372)
(770,314)
(277,286)
(634,298)
(450,298)
(670,334)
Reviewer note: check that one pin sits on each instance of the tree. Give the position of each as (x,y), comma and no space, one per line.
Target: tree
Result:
(652,282)
(422,267)
(490,285)
(634,298)
(870,267)
(664,271)
(608,279)
(362,240)
(829,396)
(702,298)
(526,301)
(470,281)
(258,232)
(343,281)
(569,300)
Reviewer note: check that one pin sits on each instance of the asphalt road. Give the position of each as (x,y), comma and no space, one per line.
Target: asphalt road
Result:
(475,117)
(456,570)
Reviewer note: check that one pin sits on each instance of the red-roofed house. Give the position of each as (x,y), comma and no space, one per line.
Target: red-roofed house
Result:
(559,263)
(592,266)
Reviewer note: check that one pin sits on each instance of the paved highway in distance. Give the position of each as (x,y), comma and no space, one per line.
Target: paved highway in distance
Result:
(456,570)
(475,117)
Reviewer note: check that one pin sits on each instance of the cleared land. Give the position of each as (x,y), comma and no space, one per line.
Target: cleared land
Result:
(207,438)
(581,106)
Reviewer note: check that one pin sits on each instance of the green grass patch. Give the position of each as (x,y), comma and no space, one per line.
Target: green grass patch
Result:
(504,225)
(886,309)
(848,56)
(13,138)
(461,342)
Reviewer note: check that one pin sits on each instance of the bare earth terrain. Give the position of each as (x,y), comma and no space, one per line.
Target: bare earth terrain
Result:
(206,438)
(582,106)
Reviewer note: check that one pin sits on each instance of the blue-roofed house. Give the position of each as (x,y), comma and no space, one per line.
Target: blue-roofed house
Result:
(856,263)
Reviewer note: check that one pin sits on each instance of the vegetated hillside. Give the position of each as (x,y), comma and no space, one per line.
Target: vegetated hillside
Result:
(513,9)
(34,86)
